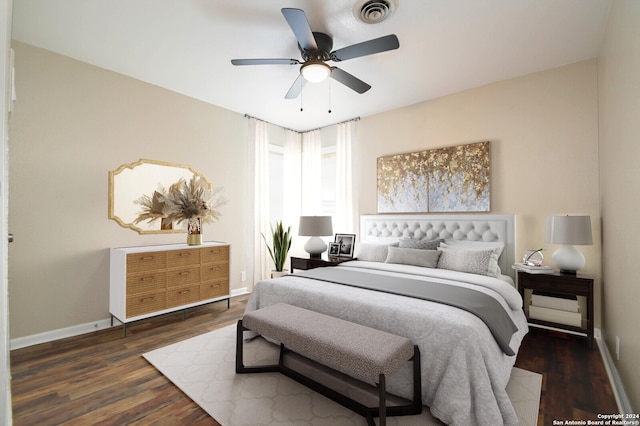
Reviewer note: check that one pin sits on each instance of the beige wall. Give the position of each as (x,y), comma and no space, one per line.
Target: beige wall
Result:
(72,124)
(543,130)
(619,85)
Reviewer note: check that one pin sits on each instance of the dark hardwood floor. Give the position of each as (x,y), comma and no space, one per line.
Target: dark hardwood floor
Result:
(101,377)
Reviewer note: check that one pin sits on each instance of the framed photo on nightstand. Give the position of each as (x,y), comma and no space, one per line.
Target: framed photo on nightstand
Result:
(346,244)
(334,249)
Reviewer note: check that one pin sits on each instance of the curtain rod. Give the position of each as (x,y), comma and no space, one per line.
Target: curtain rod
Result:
(305,131)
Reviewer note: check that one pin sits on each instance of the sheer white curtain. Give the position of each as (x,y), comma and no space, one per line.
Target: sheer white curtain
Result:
(257,259)
(292,197)
(346,219)
(311,173)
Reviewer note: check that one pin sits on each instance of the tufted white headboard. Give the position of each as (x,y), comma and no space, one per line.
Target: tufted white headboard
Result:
(389,228)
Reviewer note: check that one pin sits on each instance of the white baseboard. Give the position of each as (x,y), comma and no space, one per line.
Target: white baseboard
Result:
(624,405)
(76,330)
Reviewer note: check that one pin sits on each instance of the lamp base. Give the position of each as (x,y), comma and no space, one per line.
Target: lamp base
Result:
(315,247)
(568,259)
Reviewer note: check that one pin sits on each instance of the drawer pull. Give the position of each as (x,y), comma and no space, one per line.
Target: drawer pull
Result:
(147,299)
(146,279)
(184,272)
(184,292)
(214,285)
(185,254)
(147,258)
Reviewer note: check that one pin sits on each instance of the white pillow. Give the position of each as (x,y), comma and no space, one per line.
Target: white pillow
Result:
(496,246)
(417,257)
(463,260)
(373,252)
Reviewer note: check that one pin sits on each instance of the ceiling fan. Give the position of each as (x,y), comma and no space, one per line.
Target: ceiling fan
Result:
(315,48)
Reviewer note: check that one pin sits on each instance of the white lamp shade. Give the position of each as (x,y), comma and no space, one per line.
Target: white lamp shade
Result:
(568,231)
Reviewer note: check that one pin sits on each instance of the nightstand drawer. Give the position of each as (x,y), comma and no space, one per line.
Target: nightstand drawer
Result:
(551,282)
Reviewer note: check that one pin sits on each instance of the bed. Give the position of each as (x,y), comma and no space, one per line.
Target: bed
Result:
(465,366)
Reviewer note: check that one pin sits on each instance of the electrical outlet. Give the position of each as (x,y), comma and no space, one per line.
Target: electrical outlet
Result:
(243,276)
(617,348)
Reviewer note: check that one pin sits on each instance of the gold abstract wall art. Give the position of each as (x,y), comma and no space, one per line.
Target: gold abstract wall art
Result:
(452,179)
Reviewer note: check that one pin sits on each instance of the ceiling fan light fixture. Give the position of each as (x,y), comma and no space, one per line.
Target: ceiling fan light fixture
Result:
(315,71)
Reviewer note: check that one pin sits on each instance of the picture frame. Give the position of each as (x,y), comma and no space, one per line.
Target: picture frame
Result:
(334,249)
(346,244)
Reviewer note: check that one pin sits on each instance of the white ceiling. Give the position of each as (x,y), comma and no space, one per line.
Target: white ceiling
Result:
(446,46)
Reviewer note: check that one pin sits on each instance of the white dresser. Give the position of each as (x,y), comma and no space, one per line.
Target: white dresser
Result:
(154,280)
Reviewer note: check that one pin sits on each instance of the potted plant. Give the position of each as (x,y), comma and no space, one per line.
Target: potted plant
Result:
(281,243)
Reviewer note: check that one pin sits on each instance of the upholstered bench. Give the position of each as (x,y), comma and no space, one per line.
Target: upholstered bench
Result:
(310,342)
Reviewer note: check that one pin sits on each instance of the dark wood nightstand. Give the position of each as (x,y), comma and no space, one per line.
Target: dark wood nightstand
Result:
(305,263)
(557,284)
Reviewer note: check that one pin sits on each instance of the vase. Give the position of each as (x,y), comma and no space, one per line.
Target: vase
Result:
(194,231)
(277,274)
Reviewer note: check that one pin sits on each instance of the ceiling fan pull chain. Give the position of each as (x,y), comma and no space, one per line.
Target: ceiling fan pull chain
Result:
(329,82)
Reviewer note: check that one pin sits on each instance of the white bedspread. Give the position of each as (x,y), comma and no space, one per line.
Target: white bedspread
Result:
(464,371)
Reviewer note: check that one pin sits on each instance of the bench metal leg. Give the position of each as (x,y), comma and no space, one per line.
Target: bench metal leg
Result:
(240,367)
(382,388)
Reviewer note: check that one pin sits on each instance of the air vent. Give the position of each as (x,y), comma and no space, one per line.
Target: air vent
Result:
(374,11)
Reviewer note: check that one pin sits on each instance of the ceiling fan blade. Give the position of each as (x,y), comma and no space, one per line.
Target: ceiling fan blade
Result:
(299,24)
(272,61)
(349,80)
(365,48)
(296,87)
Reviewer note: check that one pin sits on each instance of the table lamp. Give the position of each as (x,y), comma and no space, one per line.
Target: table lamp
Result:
(568,231)
(315,227)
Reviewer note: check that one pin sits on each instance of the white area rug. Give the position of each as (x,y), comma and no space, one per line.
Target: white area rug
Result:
(203,367)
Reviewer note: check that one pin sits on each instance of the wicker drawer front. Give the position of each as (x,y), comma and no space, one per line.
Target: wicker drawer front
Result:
(215,254)
(214,271)
(146,303)
(151,261)
(183,276)
(183,295)
(214,289)
(142,283)
(183,258)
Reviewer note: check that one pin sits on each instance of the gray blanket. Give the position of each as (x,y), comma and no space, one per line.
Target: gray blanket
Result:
(485,307)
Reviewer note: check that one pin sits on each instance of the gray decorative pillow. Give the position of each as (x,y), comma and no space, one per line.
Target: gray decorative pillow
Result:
(420,244)
(497,247)
(417,257)
(373,252)
(462,260)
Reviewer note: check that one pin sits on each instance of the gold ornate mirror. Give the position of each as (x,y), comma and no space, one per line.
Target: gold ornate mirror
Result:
(130,182)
